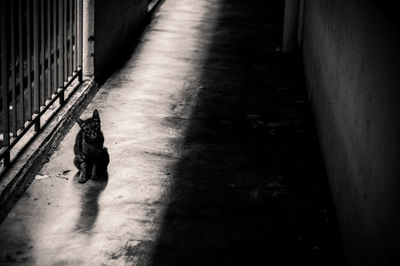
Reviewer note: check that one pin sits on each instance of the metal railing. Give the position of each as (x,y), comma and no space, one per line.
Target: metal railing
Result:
(41,55)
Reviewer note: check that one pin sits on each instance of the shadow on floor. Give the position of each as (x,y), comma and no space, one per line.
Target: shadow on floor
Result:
(89,199)
(250,187)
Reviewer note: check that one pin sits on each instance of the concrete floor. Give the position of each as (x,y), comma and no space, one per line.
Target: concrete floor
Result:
(213,156)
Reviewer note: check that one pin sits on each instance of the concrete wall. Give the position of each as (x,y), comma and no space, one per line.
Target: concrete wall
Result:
(352,66)
(114,24)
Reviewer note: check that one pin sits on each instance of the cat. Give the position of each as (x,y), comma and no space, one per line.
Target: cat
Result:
(91,157)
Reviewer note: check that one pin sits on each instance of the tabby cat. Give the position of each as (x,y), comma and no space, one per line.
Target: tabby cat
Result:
(91,157)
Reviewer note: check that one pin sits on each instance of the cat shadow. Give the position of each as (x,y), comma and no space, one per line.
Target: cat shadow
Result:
(89,202)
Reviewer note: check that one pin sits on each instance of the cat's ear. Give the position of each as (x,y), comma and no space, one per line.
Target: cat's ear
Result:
(96,115)
(79,121)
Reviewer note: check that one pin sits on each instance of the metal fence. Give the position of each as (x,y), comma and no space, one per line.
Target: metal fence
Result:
(41,55)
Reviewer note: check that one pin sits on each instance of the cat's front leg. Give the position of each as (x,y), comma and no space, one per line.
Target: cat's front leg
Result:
(80,163)
(82,173)
(78,160)
(85,171)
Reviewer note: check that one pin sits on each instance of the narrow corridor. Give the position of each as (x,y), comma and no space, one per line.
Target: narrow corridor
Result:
(214,159)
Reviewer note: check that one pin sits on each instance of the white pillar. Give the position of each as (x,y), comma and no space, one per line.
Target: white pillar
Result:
(88,38)
(290,26)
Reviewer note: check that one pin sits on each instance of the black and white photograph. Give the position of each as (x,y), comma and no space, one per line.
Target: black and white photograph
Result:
(199,133)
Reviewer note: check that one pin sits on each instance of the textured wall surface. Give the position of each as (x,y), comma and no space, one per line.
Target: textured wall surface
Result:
(115,23)
(352,63)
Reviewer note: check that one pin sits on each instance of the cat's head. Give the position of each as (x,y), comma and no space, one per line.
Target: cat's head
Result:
(91,126)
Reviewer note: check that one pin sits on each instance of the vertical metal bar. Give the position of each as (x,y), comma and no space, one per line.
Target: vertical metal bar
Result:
(60,43)
(49,43)
(61,48)
(21,65)
(74,34)
(29,59)
(55,48)
(4,82)
(13,74)
(65,15)
(43,93)
(70,33)
(80,32)
(80,43)
(36,64)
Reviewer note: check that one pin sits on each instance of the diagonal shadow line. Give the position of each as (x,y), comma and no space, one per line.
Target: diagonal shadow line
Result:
(219,211)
